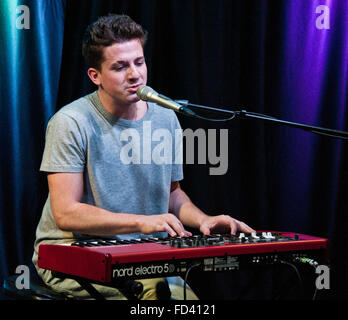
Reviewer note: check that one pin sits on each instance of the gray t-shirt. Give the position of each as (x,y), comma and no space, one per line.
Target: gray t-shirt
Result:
(128,165)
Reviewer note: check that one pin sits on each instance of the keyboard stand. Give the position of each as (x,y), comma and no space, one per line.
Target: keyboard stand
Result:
(93,292)
(122,286)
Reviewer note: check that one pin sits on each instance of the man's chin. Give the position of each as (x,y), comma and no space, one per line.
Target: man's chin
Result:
(130,101)
(133,98)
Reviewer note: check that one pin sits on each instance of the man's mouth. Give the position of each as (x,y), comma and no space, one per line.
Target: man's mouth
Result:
(134,88)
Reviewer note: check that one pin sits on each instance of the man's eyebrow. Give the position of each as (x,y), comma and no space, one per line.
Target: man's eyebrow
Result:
(118,63)
(123,62)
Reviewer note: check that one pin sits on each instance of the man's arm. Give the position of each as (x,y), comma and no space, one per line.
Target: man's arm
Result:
(72,215)
(181,205)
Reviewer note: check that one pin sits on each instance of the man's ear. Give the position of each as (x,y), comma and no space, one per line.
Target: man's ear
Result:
(94,75)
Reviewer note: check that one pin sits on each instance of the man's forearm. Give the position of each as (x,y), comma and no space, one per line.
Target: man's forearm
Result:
(191,216)
(88,219)
(181,205)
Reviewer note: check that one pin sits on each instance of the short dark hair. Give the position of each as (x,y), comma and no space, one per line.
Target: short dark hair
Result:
(106,31)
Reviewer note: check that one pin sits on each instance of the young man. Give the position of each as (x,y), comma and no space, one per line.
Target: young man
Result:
(92,191)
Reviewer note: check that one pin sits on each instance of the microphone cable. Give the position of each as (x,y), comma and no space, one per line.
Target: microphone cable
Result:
(186,276)
(300,281)
(312,263)
(317,130)
(185,103)
(145,93)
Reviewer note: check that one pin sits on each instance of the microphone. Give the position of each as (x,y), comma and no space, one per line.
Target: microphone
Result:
(146,93)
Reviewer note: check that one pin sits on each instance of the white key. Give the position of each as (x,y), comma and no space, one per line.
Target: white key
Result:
(264,235)
(254,236)
(270,235)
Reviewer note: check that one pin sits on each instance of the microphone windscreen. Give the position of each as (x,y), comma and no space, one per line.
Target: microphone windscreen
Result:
(144,91)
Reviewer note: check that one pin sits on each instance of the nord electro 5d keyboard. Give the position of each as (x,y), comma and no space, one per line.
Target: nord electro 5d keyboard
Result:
(107,261)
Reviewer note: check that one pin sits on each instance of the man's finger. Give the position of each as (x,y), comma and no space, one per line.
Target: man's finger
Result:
(168,229)
(176,225)
(233,226)
(244,227)
(205,230)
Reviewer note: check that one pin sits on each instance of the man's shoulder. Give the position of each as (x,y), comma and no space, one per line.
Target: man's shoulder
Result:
(78,109)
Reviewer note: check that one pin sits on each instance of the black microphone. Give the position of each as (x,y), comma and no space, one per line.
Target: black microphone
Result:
(146,93)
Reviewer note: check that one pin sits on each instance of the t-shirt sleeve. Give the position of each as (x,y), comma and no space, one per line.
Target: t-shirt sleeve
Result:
(64,147)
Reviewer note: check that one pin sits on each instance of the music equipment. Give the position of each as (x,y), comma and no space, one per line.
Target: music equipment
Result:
(105,260)
(146,93)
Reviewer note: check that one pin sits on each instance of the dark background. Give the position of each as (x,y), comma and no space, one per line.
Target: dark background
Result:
(263,56)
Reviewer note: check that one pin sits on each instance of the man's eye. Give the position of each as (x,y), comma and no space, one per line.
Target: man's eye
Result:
(118,67)
(139,63)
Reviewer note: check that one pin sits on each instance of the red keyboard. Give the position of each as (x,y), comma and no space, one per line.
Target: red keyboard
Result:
(105,260)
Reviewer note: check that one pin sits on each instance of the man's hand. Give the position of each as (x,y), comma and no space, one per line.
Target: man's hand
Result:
(168,222)
(192,216)
(223,224)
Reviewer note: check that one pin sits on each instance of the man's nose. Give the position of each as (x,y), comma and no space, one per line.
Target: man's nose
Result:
(133,72)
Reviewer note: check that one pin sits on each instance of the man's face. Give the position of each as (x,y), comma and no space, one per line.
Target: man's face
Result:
(123,71)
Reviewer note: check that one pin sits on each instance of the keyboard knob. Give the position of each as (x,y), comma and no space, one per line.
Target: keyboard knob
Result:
(189,242)
(174,243)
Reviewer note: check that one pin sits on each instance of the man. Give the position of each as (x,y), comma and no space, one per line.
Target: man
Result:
(92,191)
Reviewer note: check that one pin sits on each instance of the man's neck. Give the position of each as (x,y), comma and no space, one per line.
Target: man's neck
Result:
(132,111)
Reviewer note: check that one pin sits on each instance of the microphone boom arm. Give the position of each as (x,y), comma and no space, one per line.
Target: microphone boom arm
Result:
(243,114)
(318,130)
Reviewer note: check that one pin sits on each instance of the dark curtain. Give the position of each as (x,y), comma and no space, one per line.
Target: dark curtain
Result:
(269,57)
(30,61)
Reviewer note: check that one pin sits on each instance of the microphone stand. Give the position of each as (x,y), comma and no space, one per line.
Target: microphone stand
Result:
(243,114)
